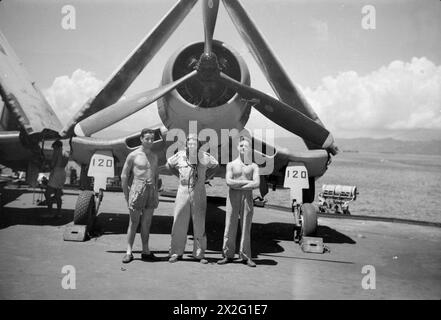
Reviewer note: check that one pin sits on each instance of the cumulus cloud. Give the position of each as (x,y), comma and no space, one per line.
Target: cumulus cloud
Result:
(400,96)
(68,94)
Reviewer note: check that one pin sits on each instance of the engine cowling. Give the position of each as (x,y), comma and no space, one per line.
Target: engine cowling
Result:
(211,104)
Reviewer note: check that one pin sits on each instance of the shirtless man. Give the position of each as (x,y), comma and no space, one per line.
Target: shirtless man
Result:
(141,168)
(191,198)
(57,177)
(242,176)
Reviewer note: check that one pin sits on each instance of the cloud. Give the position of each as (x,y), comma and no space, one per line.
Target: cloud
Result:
(67,94)
(397,97)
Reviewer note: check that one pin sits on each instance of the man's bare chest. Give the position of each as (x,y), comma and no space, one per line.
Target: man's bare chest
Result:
(242,170)
(144,162)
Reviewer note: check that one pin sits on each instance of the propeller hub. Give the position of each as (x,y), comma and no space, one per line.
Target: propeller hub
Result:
(208,67)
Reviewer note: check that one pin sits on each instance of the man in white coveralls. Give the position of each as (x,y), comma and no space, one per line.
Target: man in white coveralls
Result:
(193,168)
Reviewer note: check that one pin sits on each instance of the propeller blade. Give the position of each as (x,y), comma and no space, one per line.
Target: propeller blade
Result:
(125,108)
(209,12)
(282,114)
(268,63)
(125,74)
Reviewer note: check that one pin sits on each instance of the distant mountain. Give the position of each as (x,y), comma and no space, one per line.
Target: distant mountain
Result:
(432,147)
(422,141)
(389,145)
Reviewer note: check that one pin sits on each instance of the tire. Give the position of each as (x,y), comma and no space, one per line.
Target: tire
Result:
(84,213)
(309,219)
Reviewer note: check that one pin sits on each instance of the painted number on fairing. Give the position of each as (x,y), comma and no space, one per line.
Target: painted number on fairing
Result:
(295,174)
(296,178)
(102,163)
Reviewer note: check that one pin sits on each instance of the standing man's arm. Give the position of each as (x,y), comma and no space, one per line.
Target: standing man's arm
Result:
(233,183)
(156,173)
(256,179)
(125,175)
(54,160)
(212,167)
(171,165)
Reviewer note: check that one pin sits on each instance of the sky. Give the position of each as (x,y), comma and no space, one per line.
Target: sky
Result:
(378,82)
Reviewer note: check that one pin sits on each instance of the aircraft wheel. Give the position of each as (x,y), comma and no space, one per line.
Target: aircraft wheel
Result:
(85,213)
(308,214)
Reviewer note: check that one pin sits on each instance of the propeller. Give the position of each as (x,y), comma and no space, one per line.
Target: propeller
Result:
(269,64)
(282,114)
(209,12)
(127,72)
(207,69)
(125,108)
(209,74)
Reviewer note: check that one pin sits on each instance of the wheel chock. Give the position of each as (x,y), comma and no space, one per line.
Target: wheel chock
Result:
(75,232)
(312,245)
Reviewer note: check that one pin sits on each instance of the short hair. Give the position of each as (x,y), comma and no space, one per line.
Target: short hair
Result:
(147,131)
(57,144)
(244,138)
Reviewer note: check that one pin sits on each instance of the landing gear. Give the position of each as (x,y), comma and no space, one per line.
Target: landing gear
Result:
(85,211)
(309,219)
(305,220)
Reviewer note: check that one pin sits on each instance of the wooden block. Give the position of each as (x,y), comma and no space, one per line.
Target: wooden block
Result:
(74,232)
(312,245)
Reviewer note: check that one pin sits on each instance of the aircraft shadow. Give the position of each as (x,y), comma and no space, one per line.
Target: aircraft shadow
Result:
(10,195)
(330,235)
(33,216)
(265,237)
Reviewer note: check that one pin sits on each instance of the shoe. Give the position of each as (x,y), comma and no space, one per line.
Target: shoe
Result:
(249,263)
(225,261)
(203,261)
(127,258)
(148,257)
(174,258)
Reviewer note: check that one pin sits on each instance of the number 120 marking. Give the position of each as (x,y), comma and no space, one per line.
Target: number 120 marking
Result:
(101,163)
(295,174)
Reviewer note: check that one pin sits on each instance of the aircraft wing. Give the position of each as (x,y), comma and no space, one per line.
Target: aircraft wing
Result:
(22,98)
(273,161)
(273,170)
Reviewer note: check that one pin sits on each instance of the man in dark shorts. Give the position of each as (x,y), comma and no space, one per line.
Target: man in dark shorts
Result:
(57,178)
(141,169)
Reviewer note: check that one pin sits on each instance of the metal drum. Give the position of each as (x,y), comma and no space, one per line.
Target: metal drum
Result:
(336,198)
(339,191)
